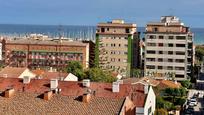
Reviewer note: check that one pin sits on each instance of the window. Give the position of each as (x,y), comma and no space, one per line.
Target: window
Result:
(119,45)
(160,60)
(150,67)
(119,60)
(161,37)
(170,45)
(149,110)
(160,67)
(152,37)
(169,68)
(160,52)
(107,29)
(170,60)
(181,37)
(180,53)
(180,60)
(155,29)
(171,37)
(160,44)
(150,59)
(126,38)
(102,29)
(179,76)
(127,30)
(170,52)
(180,45)
(151,44)
(150,52)
(179,68)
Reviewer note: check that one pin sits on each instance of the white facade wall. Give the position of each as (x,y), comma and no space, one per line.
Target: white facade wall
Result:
(150,102)
(28,73)
(71,77)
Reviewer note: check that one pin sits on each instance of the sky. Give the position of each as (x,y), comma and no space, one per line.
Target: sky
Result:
(90,12)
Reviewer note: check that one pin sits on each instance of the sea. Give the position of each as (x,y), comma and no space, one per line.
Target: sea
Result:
(71,31)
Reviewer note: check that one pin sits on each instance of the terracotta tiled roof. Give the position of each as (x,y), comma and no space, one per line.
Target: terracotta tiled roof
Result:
(49,75)
(12,72)
(29,104)
(168,84)
(102,90)
(149,81)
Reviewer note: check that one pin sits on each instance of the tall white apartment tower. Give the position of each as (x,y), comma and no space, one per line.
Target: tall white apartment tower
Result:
(168,49)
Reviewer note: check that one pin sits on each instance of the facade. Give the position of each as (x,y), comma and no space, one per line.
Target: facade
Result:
(45,53)
(168,49)
(118,46)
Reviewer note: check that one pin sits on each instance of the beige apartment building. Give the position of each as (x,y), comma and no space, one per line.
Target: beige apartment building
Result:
(118,46)
(168,49)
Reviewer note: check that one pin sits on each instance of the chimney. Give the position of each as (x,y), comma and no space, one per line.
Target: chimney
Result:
(86,98)
(146,89)
(86,83)
(48,95)
(50,69)
(116,87)
(26,79)
(9,93)
(53,84)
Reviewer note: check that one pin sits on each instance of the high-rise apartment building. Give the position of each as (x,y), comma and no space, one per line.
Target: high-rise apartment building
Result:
(118,46)
(168,49)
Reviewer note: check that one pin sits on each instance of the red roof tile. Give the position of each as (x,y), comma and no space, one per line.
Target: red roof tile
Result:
(68,88)
(12,72)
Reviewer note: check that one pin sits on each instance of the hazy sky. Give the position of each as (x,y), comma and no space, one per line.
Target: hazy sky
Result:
(89,12)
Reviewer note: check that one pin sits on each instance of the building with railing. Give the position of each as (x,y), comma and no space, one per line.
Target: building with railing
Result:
(46,53)
(168,49)
(118,46)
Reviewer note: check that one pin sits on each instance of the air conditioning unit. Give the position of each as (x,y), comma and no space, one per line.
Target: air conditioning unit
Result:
(26,79)
(53,84)
(86,83)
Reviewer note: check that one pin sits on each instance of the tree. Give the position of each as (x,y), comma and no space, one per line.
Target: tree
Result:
(75,68)
(136,73)
(98,75)
(96,59)
(186,83)
(161,112)
(161,103)
(199,53)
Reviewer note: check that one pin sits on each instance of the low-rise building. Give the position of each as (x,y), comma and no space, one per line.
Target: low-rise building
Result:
(67,97)
(16,72)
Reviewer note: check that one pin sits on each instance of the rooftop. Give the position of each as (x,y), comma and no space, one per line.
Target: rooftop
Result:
(29,103)
(117,23)
(46,42)
(102,90)
(49,75)
(12,72)
(169,84)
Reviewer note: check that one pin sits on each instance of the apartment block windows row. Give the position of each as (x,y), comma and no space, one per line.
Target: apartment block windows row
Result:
(165,60)
(163,67)
(161,37)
